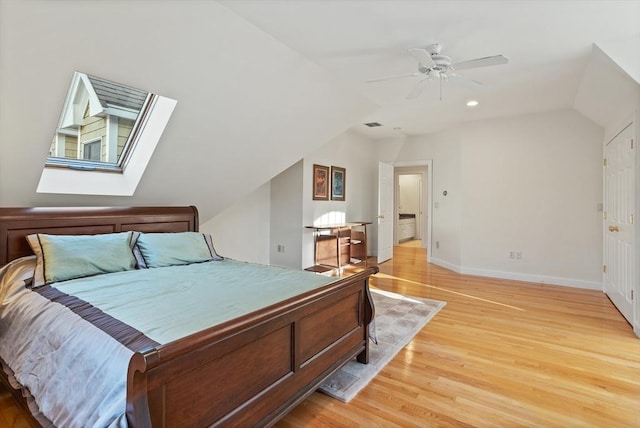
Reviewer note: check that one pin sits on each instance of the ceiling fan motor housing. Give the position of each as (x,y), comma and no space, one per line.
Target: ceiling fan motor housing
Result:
(442,61)
(433,49)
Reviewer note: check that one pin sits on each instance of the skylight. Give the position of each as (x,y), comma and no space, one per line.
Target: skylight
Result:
(104,127)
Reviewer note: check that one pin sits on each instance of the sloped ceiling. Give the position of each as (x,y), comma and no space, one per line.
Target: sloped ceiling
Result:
(248,106)
(606,91)
(261,83)
(625,52)
(548,44)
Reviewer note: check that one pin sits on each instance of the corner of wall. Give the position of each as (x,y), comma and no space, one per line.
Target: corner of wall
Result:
(285,248)
(242,231)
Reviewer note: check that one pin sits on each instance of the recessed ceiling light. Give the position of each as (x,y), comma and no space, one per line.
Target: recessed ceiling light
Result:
(472,103)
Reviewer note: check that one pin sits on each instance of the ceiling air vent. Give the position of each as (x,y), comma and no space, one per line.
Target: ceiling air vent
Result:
(373,124)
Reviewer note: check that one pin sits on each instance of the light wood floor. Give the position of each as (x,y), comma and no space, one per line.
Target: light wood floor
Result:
(500,354)
(411,243)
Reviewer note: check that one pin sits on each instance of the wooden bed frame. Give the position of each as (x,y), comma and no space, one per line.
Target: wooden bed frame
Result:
(249,371)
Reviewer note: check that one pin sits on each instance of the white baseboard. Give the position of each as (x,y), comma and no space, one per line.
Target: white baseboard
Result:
(517,276)
(445,264)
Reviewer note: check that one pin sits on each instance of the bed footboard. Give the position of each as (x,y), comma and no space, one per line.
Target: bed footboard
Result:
(253,370)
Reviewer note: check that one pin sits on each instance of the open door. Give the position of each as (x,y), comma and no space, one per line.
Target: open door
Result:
(385,211)
(619,207)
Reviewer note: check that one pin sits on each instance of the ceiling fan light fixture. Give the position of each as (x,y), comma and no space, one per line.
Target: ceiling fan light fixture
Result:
(472,103)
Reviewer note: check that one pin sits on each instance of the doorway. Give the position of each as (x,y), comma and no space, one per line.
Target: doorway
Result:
(412,205)
(409,206)
(388,214)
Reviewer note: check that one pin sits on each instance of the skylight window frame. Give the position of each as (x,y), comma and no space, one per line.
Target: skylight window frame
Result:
(136,130)
(129,147)
(92,182)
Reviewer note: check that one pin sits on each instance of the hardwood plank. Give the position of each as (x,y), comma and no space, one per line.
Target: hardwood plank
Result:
(501,353)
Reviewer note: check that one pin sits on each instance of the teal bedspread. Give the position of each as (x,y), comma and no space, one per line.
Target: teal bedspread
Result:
(172,302)
(74,373)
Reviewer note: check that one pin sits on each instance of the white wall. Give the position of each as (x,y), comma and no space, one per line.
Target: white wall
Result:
(445,150)
(248,106)
(529,183)
(409,194)
(355,153)
(289,207)
(533,184)
(242,231)
(286,217)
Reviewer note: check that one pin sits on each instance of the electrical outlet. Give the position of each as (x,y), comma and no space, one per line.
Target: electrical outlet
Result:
(515,255)
(280,248)
(518,255)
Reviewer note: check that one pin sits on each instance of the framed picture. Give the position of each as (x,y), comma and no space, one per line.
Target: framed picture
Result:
(320,183)
(338,178)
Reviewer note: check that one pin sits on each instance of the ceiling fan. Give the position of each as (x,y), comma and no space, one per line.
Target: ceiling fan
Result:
(433,65)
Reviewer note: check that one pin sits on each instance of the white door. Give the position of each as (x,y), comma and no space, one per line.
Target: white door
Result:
(619,206)
(385,211)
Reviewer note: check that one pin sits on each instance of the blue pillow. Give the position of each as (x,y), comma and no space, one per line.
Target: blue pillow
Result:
(62,257)
(171,249)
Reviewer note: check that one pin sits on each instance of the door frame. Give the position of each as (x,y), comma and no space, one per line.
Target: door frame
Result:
(428,188)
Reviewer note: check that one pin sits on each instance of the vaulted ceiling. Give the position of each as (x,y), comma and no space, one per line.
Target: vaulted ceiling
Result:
(260,84)
(548,43)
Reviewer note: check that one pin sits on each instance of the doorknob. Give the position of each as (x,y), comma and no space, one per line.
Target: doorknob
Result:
(613,228)
(380,217)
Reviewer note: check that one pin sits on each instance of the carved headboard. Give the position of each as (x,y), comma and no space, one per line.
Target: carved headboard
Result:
(17,223)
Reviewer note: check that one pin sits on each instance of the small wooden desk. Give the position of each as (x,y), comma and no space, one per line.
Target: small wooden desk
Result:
(336,245)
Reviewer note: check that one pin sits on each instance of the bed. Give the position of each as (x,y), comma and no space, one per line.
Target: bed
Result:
(246,371)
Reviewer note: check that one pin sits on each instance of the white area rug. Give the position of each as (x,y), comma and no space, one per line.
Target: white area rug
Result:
(398,318)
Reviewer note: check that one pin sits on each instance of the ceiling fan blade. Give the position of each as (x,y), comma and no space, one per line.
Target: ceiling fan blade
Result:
(422,56)
(417,89)
(380,79)
(465,81)
(481,62)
